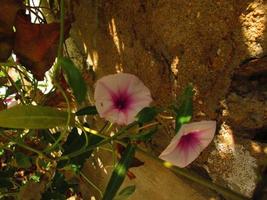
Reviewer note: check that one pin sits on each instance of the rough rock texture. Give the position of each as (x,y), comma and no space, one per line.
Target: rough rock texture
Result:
(231,162)
(170,43)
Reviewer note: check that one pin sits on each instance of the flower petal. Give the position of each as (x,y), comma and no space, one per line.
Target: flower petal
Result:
(205,130)
(133,93)
(171,147)
(189,142)
(182,157)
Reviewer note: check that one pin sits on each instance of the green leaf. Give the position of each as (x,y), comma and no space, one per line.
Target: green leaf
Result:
(90,110)
(74,78)
(33,117)
(58,188)
(59,183)
(125,193)
(147,114)
(9,172)
(13,89)
(74,143)
(5,183)
(22,160)
(119,173)
(35,177)
(185,111)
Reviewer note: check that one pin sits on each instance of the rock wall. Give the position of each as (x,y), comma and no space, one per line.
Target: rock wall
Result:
(170,43)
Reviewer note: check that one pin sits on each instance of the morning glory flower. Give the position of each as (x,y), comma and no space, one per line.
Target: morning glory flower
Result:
(189,142)
(119,97)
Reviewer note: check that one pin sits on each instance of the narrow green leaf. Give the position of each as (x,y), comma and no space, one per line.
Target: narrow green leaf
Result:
(33,117)
(125,193)
(2,151)
(22,160)
(119,173)
(185,111)
(76,142)
(128,190)
(74,78)
(90,110)
(147,114)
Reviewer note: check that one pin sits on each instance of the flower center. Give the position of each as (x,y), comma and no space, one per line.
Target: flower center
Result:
(188,140)
(122,101)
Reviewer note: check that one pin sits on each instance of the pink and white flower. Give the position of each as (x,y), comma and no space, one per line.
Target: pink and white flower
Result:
(11,102)
(189,142)
(119,97)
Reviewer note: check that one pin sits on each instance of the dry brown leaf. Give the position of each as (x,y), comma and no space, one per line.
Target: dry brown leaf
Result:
(8,11)
(36,44)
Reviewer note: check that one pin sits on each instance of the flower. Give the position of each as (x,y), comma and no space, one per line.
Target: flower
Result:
(189,142)
(10,102)
(119,97)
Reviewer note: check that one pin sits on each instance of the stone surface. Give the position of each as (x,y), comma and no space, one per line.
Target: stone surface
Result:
(170,43)
(231,162)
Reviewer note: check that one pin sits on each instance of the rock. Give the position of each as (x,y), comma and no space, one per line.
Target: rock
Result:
(170,43)
(232,164)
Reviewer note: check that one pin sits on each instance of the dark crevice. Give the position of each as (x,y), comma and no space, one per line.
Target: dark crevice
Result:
(260,192)
(249,88)
(260,135)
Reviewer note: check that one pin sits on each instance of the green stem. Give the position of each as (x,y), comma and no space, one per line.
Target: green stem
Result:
(104,127)
(23,100)
(108,128)
(25,146)
(85,134)
(64,132)
(61,37)
(2,195)
(148,126)
(91,183)
(8,64)
(56,71)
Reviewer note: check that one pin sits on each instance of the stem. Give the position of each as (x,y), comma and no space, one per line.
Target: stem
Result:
(114,157)
(103,128)
(25,146)
(8,64)
(63,133)
(84,132)
(148,126)
(91,183)
(23,100)
(56,70)
(61,37)
(165,117)
(2,195)
(108,128)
